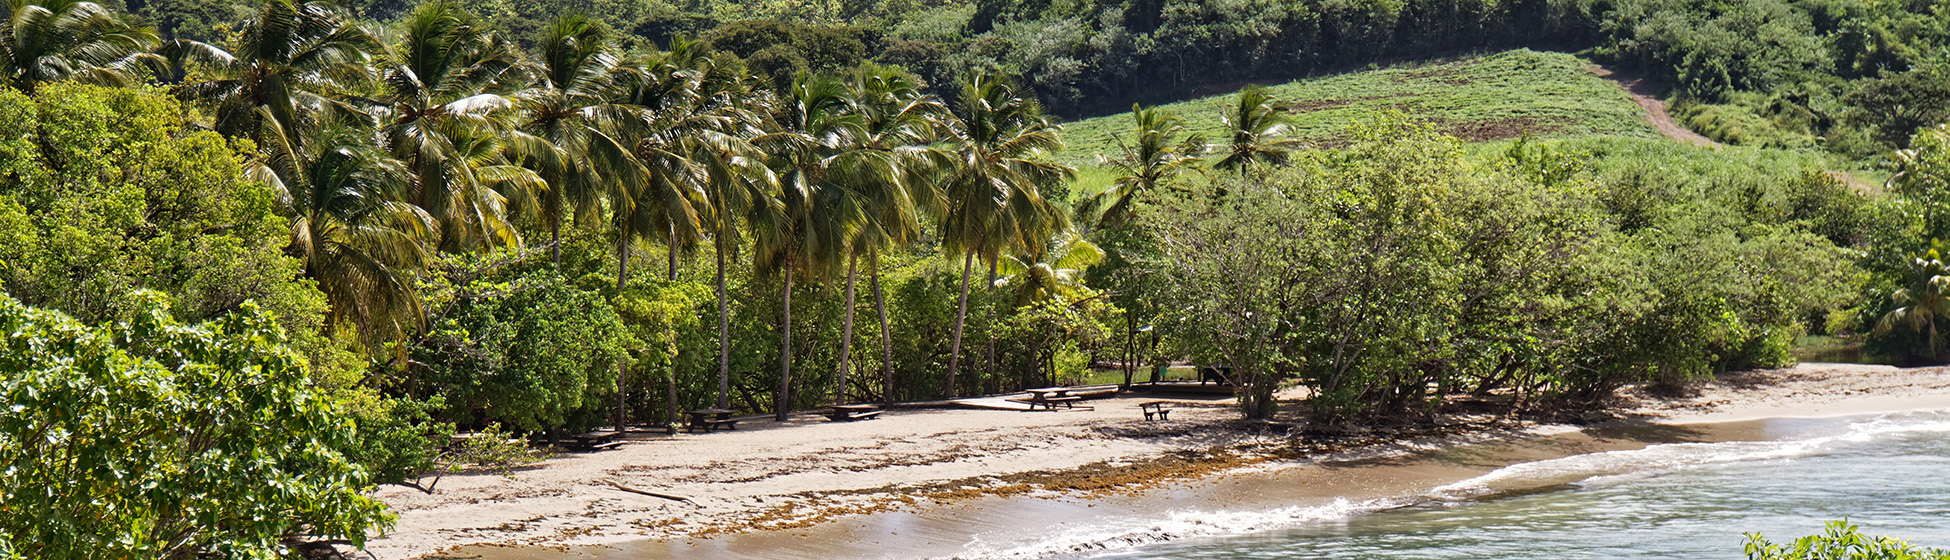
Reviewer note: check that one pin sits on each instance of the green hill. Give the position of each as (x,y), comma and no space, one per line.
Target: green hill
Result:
(1492,97)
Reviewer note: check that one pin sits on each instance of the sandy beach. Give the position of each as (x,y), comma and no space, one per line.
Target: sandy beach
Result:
(775,478)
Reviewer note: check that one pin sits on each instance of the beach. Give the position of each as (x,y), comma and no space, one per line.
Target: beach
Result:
(814,481)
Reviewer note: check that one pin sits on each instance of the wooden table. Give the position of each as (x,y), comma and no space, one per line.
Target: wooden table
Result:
(851,412)
(1049,397)
(710,419)
(595,441)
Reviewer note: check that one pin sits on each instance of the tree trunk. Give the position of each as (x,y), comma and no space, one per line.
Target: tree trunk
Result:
(620,420)
(670,392)
(555,240)
(724,333)
(886,340)
(672,245)
(846,332)
(622,259)
(961,317)
(1130,331)
(784,401)
(994,385)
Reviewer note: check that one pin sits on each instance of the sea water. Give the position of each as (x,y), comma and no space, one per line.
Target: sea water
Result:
(1889,474)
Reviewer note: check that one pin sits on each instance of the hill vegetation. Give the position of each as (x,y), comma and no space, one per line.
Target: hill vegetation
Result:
(1502,96)
(395,221)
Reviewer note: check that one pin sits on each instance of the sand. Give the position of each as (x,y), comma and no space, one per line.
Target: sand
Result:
(769,476)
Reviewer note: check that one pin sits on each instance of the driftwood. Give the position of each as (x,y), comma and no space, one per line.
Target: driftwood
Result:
(671,497)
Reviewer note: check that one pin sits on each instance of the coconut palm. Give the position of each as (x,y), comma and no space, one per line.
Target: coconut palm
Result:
(1052,270)
(289,59)
(1924,300)
(356,239)
(991,186)
(824,167)
(445,118)
(573,107)
(1259,132)
(1159,155)
(901,122)
(45,41)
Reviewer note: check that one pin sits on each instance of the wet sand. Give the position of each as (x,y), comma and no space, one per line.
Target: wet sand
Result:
(946,483)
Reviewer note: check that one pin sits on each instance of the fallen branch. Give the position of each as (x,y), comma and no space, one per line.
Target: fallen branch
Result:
(671,497)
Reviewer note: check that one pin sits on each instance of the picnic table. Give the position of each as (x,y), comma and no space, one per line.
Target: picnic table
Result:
(710,419)
(597,440)
(1049,397)
(852,412)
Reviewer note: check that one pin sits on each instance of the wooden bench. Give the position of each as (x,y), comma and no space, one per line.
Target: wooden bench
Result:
(1155,409)
(710,419)
(843,416)
(594,441)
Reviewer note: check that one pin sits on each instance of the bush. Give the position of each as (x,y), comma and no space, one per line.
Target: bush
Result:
(153,439)
(1841,540)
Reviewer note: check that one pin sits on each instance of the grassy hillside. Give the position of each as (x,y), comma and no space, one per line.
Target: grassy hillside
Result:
(1492,97)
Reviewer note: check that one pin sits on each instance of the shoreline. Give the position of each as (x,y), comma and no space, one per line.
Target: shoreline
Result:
(811,481)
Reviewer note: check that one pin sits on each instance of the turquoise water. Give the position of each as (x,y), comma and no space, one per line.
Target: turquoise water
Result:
(1889,474)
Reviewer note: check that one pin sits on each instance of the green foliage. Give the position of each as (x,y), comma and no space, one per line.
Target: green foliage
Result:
(156,439)
(530,350)
(1375,273)
(1506,95)
(1839,540)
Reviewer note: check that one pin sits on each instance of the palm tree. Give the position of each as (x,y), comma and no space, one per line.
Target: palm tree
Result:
(1924,300)
(819,157)
(736,183)
(573,107)
(991,187)
(1259,132)
(288,59)
(1158,156)
(444,119)
(53,40)
(900,122)
(1053,270)
(356,239)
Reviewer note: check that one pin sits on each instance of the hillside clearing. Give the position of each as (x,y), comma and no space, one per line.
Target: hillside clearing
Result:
(1492,97)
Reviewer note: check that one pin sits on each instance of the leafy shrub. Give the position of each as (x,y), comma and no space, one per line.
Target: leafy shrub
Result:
(153,439)
(1840,540)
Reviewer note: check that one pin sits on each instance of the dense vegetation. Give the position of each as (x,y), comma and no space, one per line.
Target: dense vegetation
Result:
(399,220)
(1840,540)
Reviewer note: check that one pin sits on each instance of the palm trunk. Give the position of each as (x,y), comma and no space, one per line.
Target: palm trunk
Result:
(784,401)
(994,385)
(724,333)
(961,317)
(620,373)
(555,241)
(672,245)
(1130,332)
(886,340)
(846,332)
(622,259)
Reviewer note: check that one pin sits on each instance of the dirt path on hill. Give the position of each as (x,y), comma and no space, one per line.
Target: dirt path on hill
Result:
(1656,111)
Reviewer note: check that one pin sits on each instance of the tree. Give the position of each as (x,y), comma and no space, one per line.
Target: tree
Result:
(1052,271)
(53,40)
(818,154)
(899,120)
(1258,131)
(991,181)
(445,121)
(291,59)
(359,242)
(153,439)
(574,108)
(1159,156)
(1924,298)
